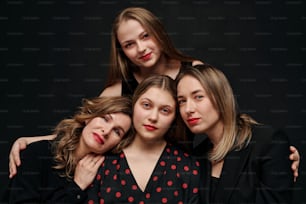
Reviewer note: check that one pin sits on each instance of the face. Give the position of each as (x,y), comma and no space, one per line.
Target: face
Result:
(137,44)
(196,108)
(103,133)
(154,113)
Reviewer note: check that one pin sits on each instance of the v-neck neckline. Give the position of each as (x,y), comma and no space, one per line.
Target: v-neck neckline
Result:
(155,175)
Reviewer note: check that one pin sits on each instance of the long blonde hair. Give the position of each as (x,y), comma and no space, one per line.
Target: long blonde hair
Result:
(237,127)
(120,65)
(68,131)
(176,133)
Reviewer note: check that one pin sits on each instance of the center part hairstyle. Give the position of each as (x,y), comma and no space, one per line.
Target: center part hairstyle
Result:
(120,65)
(237,127)
(176,133)
(69,131)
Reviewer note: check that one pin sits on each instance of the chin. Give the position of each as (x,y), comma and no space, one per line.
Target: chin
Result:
(195,130)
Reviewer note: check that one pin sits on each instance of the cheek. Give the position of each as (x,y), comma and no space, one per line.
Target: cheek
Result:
(130,53)
(167,121)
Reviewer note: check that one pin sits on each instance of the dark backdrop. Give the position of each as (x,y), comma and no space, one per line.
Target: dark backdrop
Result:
(54,53)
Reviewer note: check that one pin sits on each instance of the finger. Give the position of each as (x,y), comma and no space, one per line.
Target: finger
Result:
(292,149)
(16,158)
(13,171)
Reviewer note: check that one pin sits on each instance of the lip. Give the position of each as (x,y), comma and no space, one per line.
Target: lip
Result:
(150,127)
(193,121)
(98,138)
(146,57)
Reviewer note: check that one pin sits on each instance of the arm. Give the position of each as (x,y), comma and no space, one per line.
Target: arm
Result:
(20,144)
(295,158)
(275,175)
(24,187)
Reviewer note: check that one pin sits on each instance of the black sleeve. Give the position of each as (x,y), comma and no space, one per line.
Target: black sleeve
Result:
(25,186)
(276,178)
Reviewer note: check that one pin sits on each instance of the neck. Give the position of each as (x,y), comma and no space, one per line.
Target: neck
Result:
(147,146)
(164,66)
(80,152)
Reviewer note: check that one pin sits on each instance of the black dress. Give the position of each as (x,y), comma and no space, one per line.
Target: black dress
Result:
(175,179)
(38,182)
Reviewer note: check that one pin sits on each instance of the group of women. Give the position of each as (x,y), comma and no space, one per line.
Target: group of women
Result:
(155,100)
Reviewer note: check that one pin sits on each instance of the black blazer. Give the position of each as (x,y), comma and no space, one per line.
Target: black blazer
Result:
(259,173)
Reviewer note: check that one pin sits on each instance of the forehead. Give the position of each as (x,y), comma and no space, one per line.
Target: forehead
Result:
(189,83)
(128,29)
(158,95)
(121,119)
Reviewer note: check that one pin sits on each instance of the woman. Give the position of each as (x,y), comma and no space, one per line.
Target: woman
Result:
(150,168)
(243,161)
(61,170)
(140,47)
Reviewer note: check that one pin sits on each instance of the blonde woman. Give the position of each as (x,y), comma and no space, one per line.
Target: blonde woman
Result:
(242,161)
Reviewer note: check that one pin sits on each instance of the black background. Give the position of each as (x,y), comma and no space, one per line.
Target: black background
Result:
(54,53)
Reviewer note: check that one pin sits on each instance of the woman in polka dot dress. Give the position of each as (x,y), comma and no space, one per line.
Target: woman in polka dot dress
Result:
(150,167)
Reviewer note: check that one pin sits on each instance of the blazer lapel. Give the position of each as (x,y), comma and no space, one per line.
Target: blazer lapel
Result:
(232,168)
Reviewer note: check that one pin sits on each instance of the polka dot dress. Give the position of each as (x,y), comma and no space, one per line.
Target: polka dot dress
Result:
(175,180)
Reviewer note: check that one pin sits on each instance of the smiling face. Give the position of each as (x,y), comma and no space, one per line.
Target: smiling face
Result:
(196,108)
(137,44)
(154,112)
(103,133)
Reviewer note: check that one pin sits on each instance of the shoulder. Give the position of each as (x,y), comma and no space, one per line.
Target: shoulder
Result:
(42,147)
(196,62)
(267,134)
(113,90)
(266,138)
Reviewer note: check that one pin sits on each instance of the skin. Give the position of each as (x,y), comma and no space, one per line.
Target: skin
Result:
(136,43)
(153,115)
(103,133)
(143,50)
(154,112)
(197,110)
(98,136)
(200,116)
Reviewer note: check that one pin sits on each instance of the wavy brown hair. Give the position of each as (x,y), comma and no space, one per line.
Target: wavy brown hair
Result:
(68,131)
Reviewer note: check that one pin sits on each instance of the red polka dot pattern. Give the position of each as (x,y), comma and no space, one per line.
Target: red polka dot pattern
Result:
(175,180)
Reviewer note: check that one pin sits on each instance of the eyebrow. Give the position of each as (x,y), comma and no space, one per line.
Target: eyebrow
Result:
(192,93)
(139,35)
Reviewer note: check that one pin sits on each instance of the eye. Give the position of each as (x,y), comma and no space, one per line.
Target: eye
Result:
(145,35)
(181,101)
(128,45)
(106,118)
(118,132)
(166,110)
(146,105)
(199,97)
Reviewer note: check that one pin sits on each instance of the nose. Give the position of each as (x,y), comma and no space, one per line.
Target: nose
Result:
(106,130)
(153,115)
(189,107)
(141,46)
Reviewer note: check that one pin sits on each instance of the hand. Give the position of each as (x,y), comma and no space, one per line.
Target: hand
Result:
(14,157)
(295,158)
(86,170)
